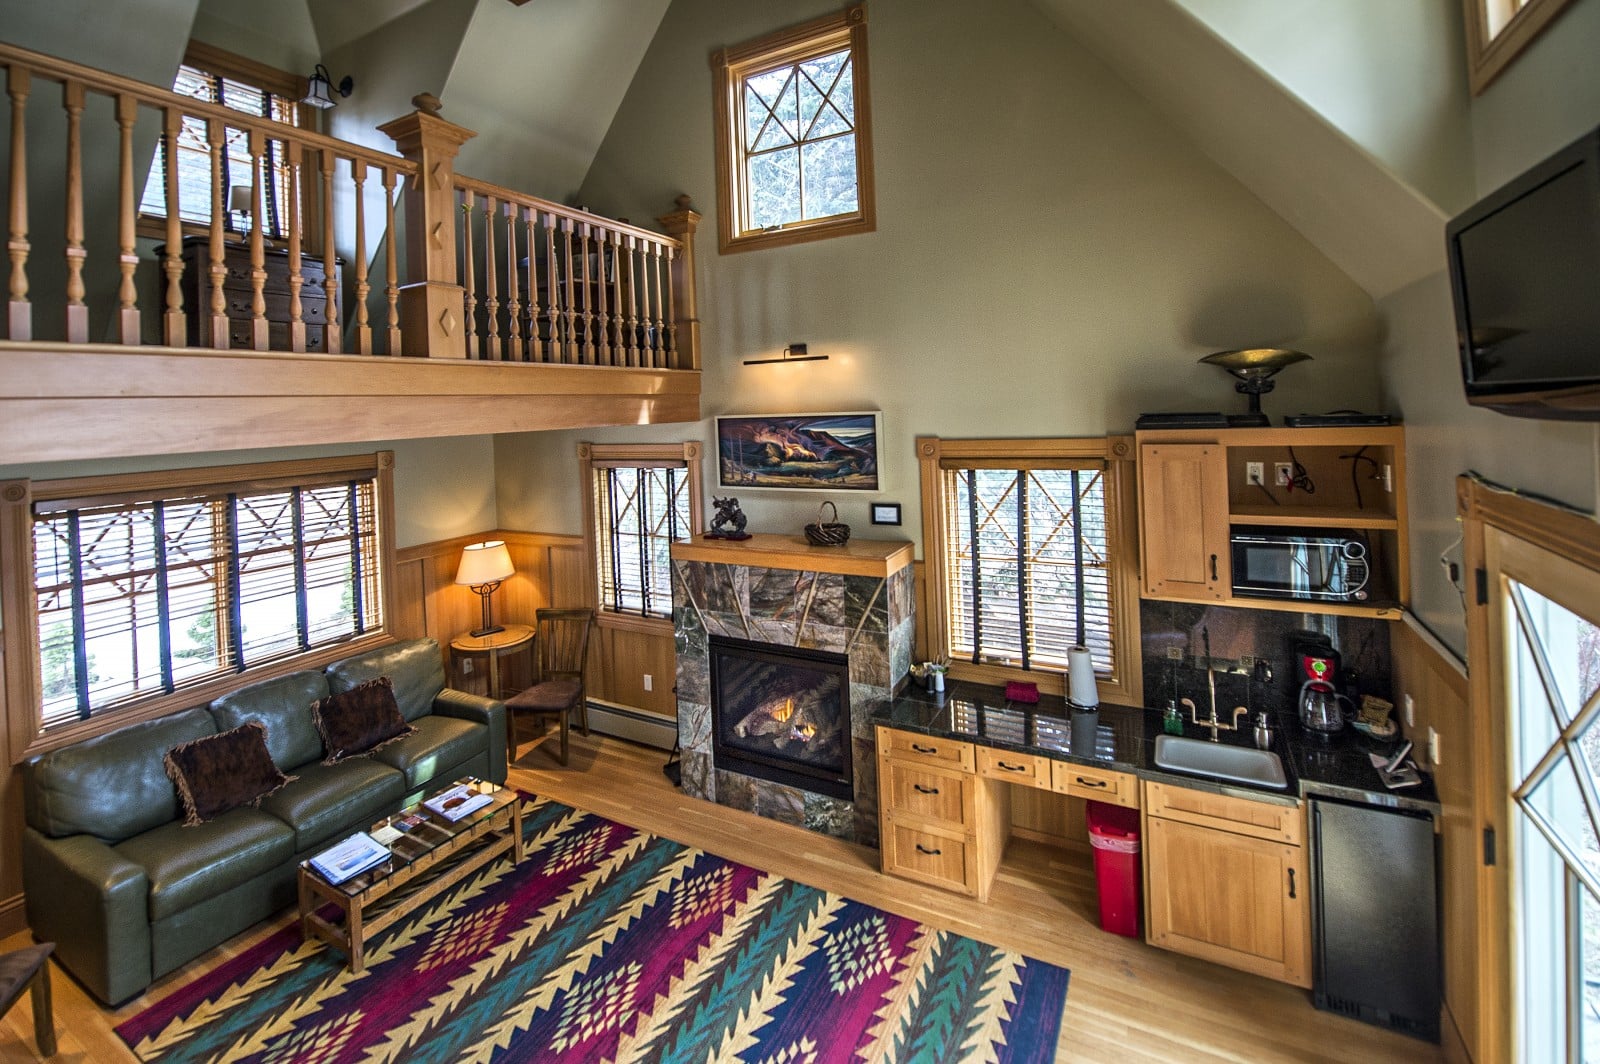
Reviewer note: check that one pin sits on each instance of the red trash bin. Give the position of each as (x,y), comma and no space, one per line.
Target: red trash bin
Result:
(1114,834)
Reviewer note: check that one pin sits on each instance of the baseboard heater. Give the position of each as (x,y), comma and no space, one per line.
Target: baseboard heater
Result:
(624,723)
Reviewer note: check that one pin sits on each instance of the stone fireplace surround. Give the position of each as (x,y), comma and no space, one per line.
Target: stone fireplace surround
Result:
(855,600)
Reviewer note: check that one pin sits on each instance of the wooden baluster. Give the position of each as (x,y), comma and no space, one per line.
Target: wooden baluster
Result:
(551,300)
(634,353)
(20,313)
(491,281)
(127,260)
(536,351)
(469,271)
(586,315)
(570,351)
(175,323)
(391,268)
(611,297)
(217,268)
(258,257)
(669,341)
(654,274)
(77,310)
(293,155)
(333,333)
(358,173)
(514,350)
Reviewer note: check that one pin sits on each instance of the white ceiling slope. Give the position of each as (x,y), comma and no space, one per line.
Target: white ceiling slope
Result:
(1369,222)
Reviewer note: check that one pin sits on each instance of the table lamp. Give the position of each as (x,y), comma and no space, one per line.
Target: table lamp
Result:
(483,567)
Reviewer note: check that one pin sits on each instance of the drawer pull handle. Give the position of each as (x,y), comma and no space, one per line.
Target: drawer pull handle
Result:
(1291,882)
(1011,768)
(1213,567)
(1090,783)
(924,749)
(920,789)
(931,853)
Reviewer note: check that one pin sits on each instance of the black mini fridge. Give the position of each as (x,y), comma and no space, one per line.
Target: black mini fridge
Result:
(1375,914)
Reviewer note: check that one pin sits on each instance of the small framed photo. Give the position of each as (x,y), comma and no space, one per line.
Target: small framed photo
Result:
(886,513)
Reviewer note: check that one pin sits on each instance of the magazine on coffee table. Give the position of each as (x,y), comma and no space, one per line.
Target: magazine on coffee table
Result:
(359,853)
(458,801)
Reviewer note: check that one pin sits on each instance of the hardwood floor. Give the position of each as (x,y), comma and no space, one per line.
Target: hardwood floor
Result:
(1126,1001)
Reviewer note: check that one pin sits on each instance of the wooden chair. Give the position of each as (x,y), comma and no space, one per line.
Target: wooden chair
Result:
(563,648)
(29,969)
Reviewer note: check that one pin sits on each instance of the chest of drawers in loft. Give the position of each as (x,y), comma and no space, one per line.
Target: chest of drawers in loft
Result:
(237,295)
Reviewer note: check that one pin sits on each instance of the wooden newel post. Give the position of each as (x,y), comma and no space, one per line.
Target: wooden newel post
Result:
(431,302)
(682,223)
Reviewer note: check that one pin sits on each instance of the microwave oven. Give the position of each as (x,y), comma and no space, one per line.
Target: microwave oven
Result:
(1322,565)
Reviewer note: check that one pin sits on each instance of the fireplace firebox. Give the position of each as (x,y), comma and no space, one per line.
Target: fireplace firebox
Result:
(782,714)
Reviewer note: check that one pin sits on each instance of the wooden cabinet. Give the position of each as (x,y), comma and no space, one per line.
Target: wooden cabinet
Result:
(942,824)
(1026,770)
(1225,880)
(238,296)
(1195,488)
(1095,784)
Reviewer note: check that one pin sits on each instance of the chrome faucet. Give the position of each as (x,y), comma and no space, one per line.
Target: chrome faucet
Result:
(1213,723)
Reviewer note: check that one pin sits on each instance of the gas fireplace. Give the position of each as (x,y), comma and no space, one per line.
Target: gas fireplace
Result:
(782,714)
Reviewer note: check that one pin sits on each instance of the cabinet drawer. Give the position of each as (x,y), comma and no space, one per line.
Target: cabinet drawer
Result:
(1261,820)
(926,793)
(929,858)
(1027,769)
(1099,784)
(908,746)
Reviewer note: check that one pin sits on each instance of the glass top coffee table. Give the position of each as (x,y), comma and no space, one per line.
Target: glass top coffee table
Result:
(428,853)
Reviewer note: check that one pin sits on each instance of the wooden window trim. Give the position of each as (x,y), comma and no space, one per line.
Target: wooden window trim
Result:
(19,605)
(593,456)
(729,68)
(934,455)
(1488,56)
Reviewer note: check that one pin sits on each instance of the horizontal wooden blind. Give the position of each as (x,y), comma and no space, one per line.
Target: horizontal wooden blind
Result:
(639,511)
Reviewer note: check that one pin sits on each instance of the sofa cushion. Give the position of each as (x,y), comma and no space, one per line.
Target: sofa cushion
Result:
(329,800)
(439,743)
(359,721)
(283,705)
(112,786)
(216,773)
(187,865)
(415,668)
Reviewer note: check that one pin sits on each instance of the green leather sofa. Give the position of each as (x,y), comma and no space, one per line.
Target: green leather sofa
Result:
(128,893)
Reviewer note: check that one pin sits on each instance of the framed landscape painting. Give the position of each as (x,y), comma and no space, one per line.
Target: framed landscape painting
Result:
(833,452)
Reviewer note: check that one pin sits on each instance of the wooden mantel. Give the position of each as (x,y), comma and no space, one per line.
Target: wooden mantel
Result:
(859,557)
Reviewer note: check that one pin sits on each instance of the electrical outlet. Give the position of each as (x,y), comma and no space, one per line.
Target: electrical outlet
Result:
(1433,747)
(1388,478)
(1411,709)
(649,682)
(1283,474)
(466,666)
(1255,472)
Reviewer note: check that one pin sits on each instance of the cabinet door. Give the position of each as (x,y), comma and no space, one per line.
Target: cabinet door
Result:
(1228,898)
(1183,521)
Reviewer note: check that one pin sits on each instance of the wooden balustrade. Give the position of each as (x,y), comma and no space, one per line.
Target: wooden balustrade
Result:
(538,282)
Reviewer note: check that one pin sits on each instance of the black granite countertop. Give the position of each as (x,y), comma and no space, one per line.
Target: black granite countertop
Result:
(1336,767)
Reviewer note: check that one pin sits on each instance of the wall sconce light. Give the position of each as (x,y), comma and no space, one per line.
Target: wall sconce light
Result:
(320,88)
(483,567)
(792,353)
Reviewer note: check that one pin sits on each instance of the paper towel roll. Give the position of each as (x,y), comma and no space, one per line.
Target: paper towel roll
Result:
(1081,687)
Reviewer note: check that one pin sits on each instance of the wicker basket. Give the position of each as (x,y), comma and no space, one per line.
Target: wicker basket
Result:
(828,533)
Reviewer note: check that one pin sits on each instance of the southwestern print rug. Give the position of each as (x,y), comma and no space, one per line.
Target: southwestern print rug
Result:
(607,943)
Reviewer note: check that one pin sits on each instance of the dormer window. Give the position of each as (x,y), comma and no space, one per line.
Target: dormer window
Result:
(1498,31)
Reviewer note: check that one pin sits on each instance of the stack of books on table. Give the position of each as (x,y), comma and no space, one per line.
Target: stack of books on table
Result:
(458,801)
(359,853)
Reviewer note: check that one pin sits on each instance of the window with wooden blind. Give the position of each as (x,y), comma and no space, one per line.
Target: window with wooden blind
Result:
(148,588)
(641,497)
(1028,554)
(219,77)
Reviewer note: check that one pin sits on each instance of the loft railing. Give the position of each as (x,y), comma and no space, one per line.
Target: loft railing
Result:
(543,282)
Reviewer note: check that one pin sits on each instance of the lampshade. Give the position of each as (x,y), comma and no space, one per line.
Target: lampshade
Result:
(320,88)
(485,563)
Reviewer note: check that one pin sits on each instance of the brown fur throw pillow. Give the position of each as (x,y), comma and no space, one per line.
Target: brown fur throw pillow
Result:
(220,772)
(359,721)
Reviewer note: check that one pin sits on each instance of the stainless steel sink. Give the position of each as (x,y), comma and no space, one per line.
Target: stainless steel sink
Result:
(1237,764)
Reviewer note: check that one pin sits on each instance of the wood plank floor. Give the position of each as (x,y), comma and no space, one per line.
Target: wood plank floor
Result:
(1126,1001)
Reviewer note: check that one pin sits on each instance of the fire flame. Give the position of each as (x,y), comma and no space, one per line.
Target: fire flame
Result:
(786,712)
(804,732)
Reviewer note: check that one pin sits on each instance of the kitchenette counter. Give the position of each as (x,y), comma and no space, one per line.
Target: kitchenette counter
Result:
(1336,767)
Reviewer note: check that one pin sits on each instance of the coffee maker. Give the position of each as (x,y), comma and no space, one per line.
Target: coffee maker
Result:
(1320,709)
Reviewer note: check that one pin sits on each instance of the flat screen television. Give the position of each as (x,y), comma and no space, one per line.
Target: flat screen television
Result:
(1525,273)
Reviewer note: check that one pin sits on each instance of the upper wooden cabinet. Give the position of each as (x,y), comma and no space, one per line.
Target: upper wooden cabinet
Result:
(1196,488)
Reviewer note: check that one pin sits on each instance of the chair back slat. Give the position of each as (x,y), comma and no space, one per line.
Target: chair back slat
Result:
(563,642)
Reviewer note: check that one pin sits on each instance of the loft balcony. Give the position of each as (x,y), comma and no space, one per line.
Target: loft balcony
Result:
(375,305)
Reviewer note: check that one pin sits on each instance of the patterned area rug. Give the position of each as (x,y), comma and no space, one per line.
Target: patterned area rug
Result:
(610,944)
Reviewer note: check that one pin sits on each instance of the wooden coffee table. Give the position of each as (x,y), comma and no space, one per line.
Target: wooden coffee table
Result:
(431,857)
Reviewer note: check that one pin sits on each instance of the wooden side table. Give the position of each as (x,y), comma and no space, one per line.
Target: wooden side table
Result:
(516,638)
